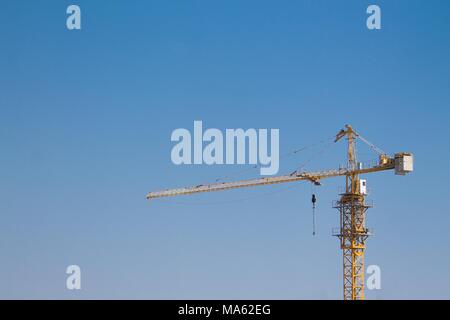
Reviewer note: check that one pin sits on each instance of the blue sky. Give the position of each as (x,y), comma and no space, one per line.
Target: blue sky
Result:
(85,124)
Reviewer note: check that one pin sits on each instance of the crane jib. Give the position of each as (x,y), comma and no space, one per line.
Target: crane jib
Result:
(296,176)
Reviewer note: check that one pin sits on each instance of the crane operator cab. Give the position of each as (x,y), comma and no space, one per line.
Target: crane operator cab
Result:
(404,163)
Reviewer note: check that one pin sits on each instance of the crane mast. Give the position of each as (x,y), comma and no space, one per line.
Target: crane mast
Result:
(352,205)
(352,232)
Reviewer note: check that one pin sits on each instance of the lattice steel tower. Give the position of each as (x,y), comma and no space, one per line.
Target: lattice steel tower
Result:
(352,232)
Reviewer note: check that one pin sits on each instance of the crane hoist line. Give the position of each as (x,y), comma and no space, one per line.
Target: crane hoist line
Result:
(352,232)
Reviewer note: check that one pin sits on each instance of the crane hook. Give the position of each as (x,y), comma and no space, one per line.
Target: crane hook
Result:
(314,200)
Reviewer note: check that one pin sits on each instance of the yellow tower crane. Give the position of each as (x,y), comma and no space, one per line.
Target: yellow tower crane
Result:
(352,206)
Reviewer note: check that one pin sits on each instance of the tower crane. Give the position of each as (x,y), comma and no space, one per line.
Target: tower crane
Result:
(352,205)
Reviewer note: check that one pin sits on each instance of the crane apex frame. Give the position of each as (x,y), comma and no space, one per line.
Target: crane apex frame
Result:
(352,205)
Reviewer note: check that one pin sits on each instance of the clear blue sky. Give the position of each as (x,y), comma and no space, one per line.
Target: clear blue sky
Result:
(85,124)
